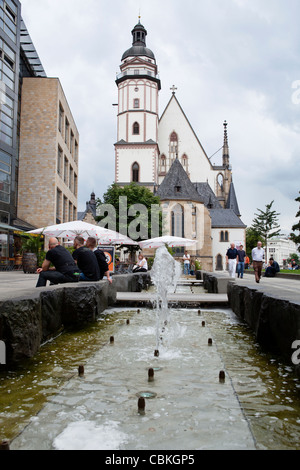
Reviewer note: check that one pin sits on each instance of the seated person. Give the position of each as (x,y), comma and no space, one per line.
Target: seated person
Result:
(141,266)
(294,265)
(86,261)
(91,243)
(272,269)
(64,270)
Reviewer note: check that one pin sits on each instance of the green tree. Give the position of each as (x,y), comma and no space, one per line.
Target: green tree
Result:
(252,237)
(132,210)
(293,256)
(296,228)
(266,224)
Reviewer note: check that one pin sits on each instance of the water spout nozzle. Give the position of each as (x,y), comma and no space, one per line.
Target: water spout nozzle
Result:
(141,406)
(222,376)
(203,323)
(4,445)
(151,375)
(112,340)
(210,342)
(156,353)
(127,322)
(81,371)
(199,312)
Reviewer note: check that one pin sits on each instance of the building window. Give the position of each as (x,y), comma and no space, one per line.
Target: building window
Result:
(178,221)
(66,168)
(59,161)
(135,172)
(136,103)
(60,118)
(71,178)
(75,185)
(72,144)
(224,237)
(67,132)
(6,119)
(173,146)
(8,15)
(76,152)
(136,128)
(58,206)
(5,177)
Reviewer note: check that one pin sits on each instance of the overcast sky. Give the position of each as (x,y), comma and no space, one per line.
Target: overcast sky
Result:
(234,60)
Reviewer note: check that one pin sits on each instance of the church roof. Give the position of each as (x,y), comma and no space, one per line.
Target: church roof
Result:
(178,186)
(232,201)
(225,218)
(206,193)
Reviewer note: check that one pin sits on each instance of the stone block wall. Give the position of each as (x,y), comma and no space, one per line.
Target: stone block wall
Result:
(38,315)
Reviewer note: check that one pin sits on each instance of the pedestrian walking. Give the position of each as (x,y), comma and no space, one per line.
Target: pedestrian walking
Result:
(231,259)
(258,257)
(241,261)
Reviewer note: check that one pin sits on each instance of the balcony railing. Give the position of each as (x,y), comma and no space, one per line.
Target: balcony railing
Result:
(136,73)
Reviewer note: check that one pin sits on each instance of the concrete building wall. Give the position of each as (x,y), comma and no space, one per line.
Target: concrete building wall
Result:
(49,143)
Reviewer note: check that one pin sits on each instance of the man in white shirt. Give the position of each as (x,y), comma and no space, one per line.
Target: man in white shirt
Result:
(258,256)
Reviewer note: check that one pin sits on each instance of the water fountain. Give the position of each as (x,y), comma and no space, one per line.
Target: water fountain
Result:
(191,395)
(165,275)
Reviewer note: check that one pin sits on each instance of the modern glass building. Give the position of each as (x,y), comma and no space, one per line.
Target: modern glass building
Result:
(18,59)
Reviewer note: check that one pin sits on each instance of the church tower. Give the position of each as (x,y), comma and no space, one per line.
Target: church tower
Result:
(136,150)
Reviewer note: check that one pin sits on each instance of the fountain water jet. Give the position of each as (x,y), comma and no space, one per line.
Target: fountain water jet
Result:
(165,274)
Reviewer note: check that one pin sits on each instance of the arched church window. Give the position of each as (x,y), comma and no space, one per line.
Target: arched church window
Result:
(226,237)
(135,172)
(185,162)
(173,146)
(221,181)
(222,236)
(136,128)
(178,221)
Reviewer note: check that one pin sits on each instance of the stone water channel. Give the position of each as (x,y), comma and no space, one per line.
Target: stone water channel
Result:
(46,405)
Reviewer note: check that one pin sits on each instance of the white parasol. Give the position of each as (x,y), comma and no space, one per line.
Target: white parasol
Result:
(168,240)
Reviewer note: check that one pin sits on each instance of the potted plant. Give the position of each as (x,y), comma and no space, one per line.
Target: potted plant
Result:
(32,252)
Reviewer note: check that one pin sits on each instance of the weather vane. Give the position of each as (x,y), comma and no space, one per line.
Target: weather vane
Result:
(173,89)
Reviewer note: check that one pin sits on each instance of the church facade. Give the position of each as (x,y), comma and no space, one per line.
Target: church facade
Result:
(164,154)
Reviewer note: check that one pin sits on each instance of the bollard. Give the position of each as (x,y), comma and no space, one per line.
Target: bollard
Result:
(222,376)
(141,406)
(112,340)
(210,342)
(81,371)
(4,445)
(156,353)
(151,375)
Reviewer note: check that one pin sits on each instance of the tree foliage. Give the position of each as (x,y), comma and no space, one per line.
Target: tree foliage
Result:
(252,237)
(266,224)
(136,211)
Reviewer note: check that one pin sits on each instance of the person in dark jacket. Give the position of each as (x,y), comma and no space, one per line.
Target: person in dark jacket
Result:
(91,243)
(272,269)
(86,261)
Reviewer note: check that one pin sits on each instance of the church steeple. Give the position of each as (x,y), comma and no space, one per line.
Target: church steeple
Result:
(139,34)
(225,147)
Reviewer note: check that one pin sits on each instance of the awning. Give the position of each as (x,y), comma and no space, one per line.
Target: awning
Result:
(7,227)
